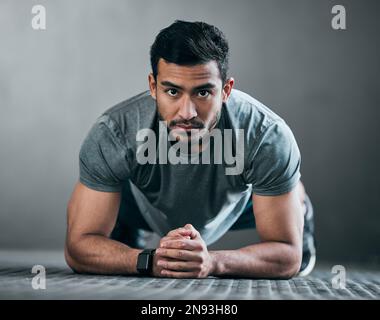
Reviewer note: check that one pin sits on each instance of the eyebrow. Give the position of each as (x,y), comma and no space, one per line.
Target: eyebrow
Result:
(207,85)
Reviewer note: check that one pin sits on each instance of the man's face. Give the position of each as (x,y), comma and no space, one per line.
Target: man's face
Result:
(189,97)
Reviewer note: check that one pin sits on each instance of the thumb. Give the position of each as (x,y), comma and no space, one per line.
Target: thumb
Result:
(193,232)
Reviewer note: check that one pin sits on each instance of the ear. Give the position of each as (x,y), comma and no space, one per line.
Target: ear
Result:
(152,86)
(227,88)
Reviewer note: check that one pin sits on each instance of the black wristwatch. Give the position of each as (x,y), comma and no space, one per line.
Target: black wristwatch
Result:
(145,261)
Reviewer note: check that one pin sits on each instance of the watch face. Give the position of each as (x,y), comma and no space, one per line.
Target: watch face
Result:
(144,261)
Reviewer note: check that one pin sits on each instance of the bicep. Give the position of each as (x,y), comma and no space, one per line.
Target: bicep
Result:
(91,212)
(279,218)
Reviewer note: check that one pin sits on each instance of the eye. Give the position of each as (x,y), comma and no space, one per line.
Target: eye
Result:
(172,92)
(203,93)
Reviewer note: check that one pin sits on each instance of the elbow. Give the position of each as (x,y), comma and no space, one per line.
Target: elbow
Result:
(289,272)
(291,264)
(71,261)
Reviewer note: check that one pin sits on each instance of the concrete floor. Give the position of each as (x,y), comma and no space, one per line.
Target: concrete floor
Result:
(61,283)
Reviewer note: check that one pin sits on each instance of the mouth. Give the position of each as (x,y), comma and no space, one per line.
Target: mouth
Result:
(184,127)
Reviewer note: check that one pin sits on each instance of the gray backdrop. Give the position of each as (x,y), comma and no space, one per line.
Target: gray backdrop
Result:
(324,83)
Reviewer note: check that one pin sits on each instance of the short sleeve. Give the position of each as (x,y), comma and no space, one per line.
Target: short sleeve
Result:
(103,164)
(274,163)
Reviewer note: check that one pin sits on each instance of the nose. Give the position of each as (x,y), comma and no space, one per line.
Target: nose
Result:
(187,109)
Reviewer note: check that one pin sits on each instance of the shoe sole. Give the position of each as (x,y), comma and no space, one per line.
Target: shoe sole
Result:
(305,272)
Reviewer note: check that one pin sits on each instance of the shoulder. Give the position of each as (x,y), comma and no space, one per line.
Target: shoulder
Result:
(137,103)
(246,112)
(126,118)
(271,154)
(135,111)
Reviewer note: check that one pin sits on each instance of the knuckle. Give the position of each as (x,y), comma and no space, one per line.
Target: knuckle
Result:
(180,267)
(202,272)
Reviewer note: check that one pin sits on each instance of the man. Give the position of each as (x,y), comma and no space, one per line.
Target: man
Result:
(122,190)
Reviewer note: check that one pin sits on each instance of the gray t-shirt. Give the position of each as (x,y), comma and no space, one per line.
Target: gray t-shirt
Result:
(171,195)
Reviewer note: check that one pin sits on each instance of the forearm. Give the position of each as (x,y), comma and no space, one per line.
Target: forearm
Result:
(262,260)
(101,255)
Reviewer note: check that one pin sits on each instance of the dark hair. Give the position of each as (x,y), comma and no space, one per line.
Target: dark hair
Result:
(190,43)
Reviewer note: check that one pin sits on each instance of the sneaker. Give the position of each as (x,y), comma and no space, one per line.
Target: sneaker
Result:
(309,251)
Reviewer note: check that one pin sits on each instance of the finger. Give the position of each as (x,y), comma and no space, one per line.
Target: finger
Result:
(166,239)
(156,269)
(182,244)
(165,259)
(184,255)
(179,232)
(184,266)
(179,274)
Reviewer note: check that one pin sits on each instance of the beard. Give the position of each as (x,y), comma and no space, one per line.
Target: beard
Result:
(193,138)
(193,123)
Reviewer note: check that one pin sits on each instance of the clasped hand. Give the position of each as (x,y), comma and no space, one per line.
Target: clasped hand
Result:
(182,253)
